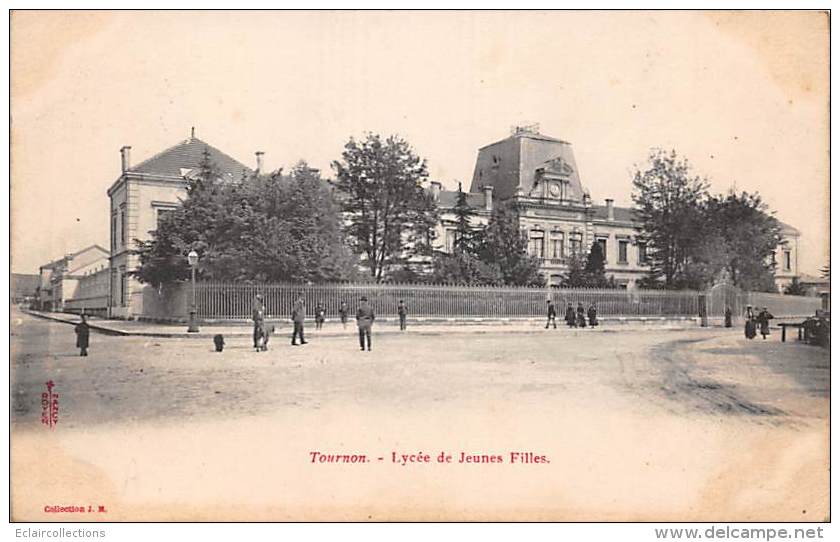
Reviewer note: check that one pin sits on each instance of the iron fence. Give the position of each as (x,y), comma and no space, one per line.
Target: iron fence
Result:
(235,301)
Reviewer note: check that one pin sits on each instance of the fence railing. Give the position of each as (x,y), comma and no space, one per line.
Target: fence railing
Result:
(235,301)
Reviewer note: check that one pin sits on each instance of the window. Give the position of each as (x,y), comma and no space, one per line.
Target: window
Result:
(163,213)
(450,241)
(622,251)
(603,244)
(113,230)
(642,253)
(787,260)
(575,241)
(123,228)
(536,246)
(123,287)
(558,245)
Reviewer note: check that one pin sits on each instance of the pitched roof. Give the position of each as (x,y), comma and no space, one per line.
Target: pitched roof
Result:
(529,135)
(178,160)
(74,254)
(448,198)
(621,214)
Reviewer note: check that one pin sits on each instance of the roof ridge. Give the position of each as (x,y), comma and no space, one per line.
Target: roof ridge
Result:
(161,153)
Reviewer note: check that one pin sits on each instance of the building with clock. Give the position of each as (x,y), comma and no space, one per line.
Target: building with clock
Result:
(540,175)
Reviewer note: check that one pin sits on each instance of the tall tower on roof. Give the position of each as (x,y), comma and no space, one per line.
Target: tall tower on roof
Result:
(530,163)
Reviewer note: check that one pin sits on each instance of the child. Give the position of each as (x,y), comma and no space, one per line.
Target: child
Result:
(592,313)
(83,336)
(320,316)
(342,313)
(552,315)
(219,342)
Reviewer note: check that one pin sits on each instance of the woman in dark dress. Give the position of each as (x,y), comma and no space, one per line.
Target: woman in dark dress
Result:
(581,316)
(592,313)
(83,336)
(570,316)
(749,323)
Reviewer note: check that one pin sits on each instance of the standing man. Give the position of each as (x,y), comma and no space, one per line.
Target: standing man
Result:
(342,313)
(552,315)
(298,316)
(727,317)
(258,316)
(402,312)
(364,319)
(83,336)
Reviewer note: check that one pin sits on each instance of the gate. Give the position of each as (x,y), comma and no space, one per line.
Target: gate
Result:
(723,295)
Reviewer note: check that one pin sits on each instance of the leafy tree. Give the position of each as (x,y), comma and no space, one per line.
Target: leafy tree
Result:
(391,218)
(263,228)
(748,236)
(505,245)
(464,268)
(576,276)
(796,288)
(668,203)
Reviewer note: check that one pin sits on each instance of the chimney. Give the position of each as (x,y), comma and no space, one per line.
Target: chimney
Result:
(610,210)
(435,190)
(488,197)
(259,161)
(125,153)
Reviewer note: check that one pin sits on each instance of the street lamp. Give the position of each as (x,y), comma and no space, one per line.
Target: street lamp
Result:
(192,258)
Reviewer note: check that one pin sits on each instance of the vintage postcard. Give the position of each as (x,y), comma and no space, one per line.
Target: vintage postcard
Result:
(420,266)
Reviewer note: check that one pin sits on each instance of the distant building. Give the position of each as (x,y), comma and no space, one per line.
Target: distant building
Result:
(540,176)
(815,286)
(140,196)
(23,287)
(59,279)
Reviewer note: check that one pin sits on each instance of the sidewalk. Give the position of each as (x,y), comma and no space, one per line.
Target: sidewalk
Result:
(332,328)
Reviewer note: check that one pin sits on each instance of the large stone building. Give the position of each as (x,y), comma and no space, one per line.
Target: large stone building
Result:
(140,196)
(59,280)
(540,175)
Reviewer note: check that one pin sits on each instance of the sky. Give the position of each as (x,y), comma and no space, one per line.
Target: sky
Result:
(742,95)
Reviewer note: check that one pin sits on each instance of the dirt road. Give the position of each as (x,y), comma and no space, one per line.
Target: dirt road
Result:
(632,424)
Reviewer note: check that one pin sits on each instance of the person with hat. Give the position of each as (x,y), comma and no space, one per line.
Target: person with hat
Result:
(763,320)
(570,316)
(82,330)
(298,317)
(258,316)
(364,319)
(551,314)
(581,315)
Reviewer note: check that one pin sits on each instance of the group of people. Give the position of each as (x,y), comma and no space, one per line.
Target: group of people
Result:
(762,320)
(574,318)
(364,321)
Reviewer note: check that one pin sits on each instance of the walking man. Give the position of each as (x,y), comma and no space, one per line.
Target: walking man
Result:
(552,314)
(364,319)
(83,336)
(763,320)
(402,313)
(298,316)
(258,316)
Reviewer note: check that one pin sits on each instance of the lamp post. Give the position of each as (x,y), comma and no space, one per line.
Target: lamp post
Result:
(192,258)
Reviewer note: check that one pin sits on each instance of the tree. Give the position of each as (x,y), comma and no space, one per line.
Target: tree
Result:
(747,238)
(505,246)
(668,208)
(796,288)
(575,272)
(264,228)
(465,234)
(391,218)
(464,268)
